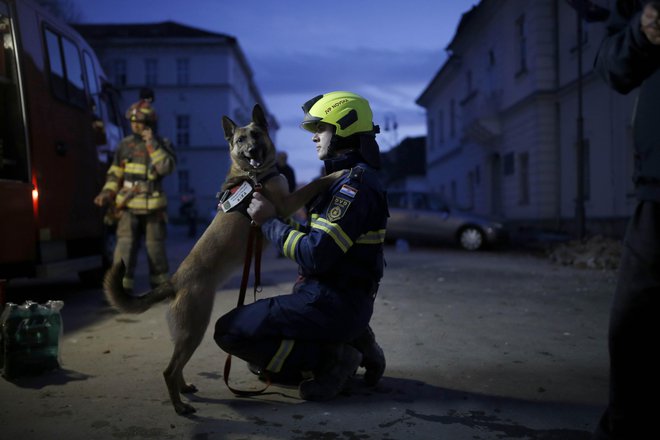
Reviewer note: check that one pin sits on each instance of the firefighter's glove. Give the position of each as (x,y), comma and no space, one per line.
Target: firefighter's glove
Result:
(105,197)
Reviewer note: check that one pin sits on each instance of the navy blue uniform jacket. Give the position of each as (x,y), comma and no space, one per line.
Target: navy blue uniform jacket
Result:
(342,244)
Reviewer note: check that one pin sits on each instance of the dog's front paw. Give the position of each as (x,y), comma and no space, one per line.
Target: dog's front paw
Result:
(183,409)
(188,388)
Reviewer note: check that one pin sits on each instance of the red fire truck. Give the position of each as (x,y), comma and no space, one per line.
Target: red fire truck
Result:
(59,123)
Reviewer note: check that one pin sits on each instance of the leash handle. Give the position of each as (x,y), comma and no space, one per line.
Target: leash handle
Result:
(254,245)
(242,393)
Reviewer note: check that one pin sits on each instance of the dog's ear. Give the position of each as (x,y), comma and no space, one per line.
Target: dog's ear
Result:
(228,126)
(258,117)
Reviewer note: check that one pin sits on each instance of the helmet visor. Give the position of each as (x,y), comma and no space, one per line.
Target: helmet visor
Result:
(310,123)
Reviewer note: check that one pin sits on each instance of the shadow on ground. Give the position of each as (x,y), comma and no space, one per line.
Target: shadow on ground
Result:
(394,407)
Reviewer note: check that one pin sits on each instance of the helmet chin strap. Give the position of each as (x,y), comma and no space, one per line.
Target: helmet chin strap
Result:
(341,151)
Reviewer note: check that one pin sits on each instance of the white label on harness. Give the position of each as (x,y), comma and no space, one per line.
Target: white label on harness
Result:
(237,197)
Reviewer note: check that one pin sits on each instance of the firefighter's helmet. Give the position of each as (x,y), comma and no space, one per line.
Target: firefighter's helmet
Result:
(348,112)
(141,111)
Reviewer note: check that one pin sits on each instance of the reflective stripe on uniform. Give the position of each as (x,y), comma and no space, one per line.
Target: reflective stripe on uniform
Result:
(116,170)
(372,237)
(142,201)
(276,363)
(136,168)
(158,155)
(120,199)
(289,248)
(334,231)
(111,186)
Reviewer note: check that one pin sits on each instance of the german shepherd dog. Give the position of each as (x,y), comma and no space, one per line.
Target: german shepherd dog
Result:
(217,253)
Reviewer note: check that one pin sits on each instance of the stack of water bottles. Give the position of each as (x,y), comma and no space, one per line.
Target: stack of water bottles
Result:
(30,337)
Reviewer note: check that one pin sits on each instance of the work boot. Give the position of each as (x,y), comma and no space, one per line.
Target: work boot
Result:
(288,378)
(373,358)
(331,378)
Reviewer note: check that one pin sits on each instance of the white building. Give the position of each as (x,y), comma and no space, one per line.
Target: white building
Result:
(502,120)
(197,76)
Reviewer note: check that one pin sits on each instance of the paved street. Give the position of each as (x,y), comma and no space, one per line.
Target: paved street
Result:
(491,345)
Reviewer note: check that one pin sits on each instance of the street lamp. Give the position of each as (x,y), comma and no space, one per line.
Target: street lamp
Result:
(391,124)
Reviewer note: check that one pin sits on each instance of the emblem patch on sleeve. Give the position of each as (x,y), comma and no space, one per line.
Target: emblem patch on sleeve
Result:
(337,208)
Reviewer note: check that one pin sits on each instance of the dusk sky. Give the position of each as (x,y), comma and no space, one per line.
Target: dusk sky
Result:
(387,50)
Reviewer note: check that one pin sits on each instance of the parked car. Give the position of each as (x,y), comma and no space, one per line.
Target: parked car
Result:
(423,216)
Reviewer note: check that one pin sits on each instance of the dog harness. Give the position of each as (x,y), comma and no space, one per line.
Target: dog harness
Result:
(238,197)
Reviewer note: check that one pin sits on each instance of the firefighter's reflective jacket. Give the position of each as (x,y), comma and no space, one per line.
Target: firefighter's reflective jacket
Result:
(342,245)
(137,171)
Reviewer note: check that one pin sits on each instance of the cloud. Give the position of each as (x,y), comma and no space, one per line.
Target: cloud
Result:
(298,71)
(391,80)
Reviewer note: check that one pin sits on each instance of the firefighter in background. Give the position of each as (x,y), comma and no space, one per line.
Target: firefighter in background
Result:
(134,183)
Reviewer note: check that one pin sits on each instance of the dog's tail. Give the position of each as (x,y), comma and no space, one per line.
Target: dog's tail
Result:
(121,300)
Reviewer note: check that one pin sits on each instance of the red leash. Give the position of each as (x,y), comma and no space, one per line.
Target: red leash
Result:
(254,245)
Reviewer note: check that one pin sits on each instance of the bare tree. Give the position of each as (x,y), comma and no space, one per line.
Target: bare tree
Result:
(65,9)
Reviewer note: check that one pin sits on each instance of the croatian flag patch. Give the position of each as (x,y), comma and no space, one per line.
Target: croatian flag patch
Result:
(348,191)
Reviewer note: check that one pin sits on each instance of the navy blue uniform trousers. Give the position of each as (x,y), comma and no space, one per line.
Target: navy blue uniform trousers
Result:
(633,333)
(311,316)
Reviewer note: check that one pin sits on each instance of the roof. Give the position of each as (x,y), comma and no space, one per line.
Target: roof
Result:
(466,18)
(165,29)
(463,24)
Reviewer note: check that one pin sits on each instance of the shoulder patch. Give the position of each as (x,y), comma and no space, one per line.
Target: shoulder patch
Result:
(337,208)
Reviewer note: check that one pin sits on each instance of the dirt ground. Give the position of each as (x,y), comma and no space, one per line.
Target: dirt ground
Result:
(490,345)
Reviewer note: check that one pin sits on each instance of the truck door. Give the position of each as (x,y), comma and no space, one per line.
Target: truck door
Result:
(17,223)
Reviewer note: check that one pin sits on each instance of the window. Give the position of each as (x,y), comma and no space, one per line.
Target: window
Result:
(523,185)
(441,127)
(92,79)
(470,188)
(184,181)
(119,72)
(430,137)
(509,164)
(477,175)
(521,40)
(454,192)
(452,118)
(57,80)
(151,71)
(183,130)
(13,149)
(182,71)
(66,75)
(491,58)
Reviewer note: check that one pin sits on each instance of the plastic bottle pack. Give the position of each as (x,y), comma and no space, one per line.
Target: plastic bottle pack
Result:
(30,336)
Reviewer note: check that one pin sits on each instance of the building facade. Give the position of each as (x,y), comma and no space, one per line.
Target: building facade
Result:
(502,119)
(197,77)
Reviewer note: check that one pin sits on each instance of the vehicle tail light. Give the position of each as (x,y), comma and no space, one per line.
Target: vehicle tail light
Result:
(35,197)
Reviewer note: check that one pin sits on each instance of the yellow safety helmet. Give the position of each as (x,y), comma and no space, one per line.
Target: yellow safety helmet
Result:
(141,111)
(348,112)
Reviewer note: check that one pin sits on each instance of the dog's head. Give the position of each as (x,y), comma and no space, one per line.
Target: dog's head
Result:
(250,146)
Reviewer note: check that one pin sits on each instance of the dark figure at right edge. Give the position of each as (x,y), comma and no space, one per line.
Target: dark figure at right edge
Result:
(628,59)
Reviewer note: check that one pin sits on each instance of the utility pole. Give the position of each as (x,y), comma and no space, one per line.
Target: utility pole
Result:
(588,11)
(579,151)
